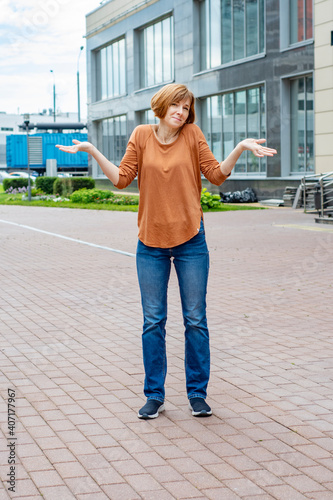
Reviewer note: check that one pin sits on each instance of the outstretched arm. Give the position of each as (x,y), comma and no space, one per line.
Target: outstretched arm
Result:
(254,145)
(110,170)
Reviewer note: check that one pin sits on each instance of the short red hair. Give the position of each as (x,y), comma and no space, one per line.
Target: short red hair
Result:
(172,93)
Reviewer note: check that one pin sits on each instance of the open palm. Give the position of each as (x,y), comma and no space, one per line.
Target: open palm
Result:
(255,145)
(78,146)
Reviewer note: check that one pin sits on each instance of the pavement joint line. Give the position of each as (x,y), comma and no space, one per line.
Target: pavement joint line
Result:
(128,254)
(307,228)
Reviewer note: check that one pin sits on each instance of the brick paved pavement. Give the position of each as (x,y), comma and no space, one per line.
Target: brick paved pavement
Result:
(71,349)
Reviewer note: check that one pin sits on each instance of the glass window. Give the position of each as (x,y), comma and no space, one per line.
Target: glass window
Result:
(156,53)
(148,117)
(253,125)
(238,29)
(301,20)
(228,140)
(252,42)
(228,119)
(114,139)
(214,30)
(240,126)
(212,123)
(230,30)
(103,74)
(262,107)
(111,70)
(302,130)
(226,30)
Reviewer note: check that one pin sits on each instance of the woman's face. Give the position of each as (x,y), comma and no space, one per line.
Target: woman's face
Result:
(177,113)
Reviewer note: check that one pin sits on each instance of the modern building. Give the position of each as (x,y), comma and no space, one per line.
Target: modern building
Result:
(250,63)
(323,80)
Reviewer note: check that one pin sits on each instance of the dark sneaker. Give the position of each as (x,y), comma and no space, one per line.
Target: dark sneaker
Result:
(151,409)
(199,407)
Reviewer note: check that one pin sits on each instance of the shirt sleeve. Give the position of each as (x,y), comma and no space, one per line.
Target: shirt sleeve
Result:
(128,167)
(209,165)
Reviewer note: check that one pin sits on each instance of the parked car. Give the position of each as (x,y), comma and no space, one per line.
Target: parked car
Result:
(3,175)
(33,175)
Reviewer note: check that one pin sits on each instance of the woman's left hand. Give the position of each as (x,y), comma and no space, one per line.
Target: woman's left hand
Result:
(255,145)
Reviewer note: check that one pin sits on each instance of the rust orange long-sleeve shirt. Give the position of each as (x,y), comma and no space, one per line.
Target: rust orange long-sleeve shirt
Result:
(169,181)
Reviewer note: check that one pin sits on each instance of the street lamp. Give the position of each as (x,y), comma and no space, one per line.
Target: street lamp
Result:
(54,97)
(26,118)
(78,85)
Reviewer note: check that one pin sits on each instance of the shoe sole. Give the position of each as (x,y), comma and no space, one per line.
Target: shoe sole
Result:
(202,413)
(145,416)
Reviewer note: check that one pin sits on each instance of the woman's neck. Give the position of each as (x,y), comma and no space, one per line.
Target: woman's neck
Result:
(165,134)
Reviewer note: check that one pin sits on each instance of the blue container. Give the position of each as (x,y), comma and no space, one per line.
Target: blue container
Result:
(64,159)
(17,156)
(16,151)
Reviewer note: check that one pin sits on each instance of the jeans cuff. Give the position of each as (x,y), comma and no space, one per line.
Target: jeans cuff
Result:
(154,398)
(190,396)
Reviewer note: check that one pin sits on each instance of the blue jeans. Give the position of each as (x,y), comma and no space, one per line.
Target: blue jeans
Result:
(191,260)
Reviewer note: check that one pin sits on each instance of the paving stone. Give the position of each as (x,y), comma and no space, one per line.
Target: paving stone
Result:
(46,478)
(56,492)
(243,487)
(285,493)
(71,346)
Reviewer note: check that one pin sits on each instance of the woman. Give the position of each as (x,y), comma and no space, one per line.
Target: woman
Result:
(168,160)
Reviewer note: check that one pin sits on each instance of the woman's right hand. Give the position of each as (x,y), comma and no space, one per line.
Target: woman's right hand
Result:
(85,147)
(110,170)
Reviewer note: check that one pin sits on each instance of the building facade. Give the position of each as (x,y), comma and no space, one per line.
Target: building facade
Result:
(248,62)
(323,26)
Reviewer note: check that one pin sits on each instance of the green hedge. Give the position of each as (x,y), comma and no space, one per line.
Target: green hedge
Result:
(91,195)
(45,184)
(65,186)
(102,196)
(15,182)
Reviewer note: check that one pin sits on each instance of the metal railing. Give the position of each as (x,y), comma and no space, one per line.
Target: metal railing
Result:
(318,193)
(326,193)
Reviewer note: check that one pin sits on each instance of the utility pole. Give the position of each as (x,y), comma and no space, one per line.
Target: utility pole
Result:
(54,97)
(78,86)
(27,121)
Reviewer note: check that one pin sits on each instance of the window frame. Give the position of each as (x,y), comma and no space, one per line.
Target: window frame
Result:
(110,121)
(261,86)
(200,47)
(109,47)
(286,141)
(143,117)
(285,25)
(142,83)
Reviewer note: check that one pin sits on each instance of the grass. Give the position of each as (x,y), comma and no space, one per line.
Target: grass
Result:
(102,206)
(67,204)
(231,207)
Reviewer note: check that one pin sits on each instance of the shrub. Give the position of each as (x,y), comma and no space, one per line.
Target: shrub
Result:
(125,200)
(102,196)
(209,200)
(45,184)
(82,182)
(15,183)
(65,186)
(90,195)
(62,186)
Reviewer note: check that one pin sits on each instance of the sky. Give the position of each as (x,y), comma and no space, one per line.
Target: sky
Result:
(37,36)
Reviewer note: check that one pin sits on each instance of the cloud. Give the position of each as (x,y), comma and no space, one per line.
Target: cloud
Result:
(35,37)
